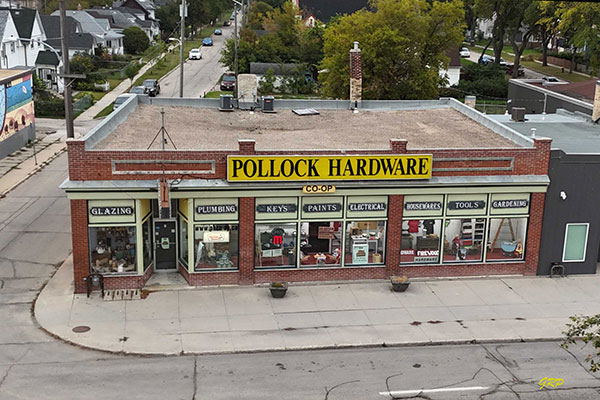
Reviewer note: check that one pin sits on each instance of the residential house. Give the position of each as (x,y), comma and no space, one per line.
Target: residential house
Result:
(121,18)
(453,71)
(48,64)
(31,34)
(318,11)
(281,72)
(142,7)
(105,36)
(79,41)
(11,46)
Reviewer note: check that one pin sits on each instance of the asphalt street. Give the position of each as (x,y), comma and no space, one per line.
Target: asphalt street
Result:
(35,238)
(199,76)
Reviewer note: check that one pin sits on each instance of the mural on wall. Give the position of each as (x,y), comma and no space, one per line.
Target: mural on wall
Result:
(16,106)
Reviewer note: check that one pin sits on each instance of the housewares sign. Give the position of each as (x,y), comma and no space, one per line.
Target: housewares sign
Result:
(328,168)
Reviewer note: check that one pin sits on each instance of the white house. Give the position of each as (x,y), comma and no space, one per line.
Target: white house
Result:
(99,28)
(11,46)
(31,34)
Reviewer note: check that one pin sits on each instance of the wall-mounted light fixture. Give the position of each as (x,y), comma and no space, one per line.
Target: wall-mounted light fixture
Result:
(563,195)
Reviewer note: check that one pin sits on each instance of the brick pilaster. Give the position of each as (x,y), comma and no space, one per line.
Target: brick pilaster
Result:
(246,238)
(394,235)
(81,260)
(398,146)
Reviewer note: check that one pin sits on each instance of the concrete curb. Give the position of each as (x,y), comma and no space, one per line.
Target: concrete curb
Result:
(41,165)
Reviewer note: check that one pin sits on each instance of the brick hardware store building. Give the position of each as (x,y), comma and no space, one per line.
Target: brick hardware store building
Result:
(422,188)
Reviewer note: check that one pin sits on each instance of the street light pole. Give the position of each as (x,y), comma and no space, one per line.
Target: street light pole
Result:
(183,12)
(235,53)
(66,70)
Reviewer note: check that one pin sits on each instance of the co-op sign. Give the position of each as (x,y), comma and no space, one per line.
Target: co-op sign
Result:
(328,168)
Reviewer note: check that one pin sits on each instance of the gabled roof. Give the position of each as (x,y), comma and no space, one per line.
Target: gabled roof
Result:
(454,55)
(79,41)
(325,10)
(4,16)
(24,18)
(89,24)
(47,57)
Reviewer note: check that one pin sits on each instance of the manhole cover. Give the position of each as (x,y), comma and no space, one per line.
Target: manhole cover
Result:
(81,329)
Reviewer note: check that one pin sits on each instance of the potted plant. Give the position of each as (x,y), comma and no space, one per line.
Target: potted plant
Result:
(399,283)
(278,289)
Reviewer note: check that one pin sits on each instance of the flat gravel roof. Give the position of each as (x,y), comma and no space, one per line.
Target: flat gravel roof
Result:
(194,128)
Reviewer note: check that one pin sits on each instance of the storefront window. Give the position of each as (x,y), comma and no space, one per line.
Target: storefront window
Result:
(420,241)
(183,240)
(147,237)
(216,246)
(506,239)
(320,244)
(112,249)
(464,239)
(275,245)
(365,241)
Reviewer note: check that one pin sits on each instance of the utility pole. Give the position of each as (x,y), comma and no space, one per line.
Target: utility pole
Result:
(183,12)
(235,54)
(66,71)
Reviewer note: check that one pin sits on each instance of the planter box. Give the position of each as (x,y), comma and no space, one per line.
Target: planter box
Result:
(400,287)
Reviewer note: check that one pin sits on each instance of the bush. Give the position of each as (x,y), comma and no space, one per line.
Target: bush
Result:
(53,108)
(484,80)
(135,40)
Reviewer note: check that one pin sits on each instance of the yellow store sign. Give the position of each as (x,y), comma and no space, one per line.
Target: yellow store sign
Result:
(328,168)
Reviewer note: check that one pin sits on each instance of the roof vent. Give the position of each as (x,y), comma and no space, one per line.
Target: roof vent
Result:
(518,114)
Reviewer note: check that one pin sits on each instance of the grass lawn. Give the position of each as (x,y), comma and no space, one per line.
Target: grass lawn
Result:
(105,111)
(166,64)
(215,95)
(535,66)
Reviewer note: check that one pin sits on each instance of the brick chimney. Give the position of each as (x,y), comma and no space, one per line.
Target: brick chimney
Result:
(596,111)
(355,76)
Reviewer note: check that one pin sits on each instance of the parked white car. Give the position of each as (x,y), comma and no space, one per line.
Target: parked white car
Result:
(195,54)
(464,52)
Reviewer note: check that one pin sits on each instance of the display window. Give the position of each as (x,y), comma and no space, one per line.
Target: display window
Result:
(320,244)
(365,242)
(275,245)
(148,257)
(464,240)
(216,246)
(183,240)
(421,241)
(112,249)
(506,239)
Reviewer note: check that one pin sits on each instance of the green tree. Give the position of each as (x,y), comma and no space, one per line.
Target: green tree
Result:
(580,23)
(522,23)
(258,12)
(81,63)
(585,328)
(131,71)
(546,25)
(135,40)
(404,44)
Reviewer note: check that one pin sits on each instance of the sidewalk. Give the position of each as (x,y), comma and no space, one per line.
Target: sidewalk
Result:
(16,169)
(246,319)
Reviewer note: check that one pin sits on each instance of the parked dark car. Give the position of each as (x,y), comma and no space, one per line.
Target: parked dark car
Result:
(152,87)
(511,67)
(138,90)
(228,81)
(227,23)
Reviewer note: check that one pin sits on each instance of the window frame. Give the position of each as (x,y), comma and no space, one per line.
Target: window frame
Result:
(587,235)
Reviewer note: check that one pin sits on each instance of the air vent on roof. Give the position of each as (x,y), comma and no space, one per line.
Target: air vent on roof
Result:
(268,104)
(305,111)
(518,114)
(226,102)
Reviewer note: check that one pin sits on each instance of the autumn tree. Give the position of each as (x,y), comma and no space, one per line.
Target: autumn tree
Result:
(404,45)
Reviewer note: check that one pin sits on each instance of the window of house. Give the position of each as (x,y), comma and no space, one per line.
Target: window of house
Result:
(12,47)
(576,236)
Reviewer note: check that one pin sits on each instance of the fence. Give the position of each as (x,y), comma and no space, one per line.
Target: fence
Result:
(82,104)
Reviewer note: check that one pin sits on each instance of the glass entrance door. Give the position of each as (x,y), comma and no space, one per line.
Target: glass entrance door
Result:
(165,245)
